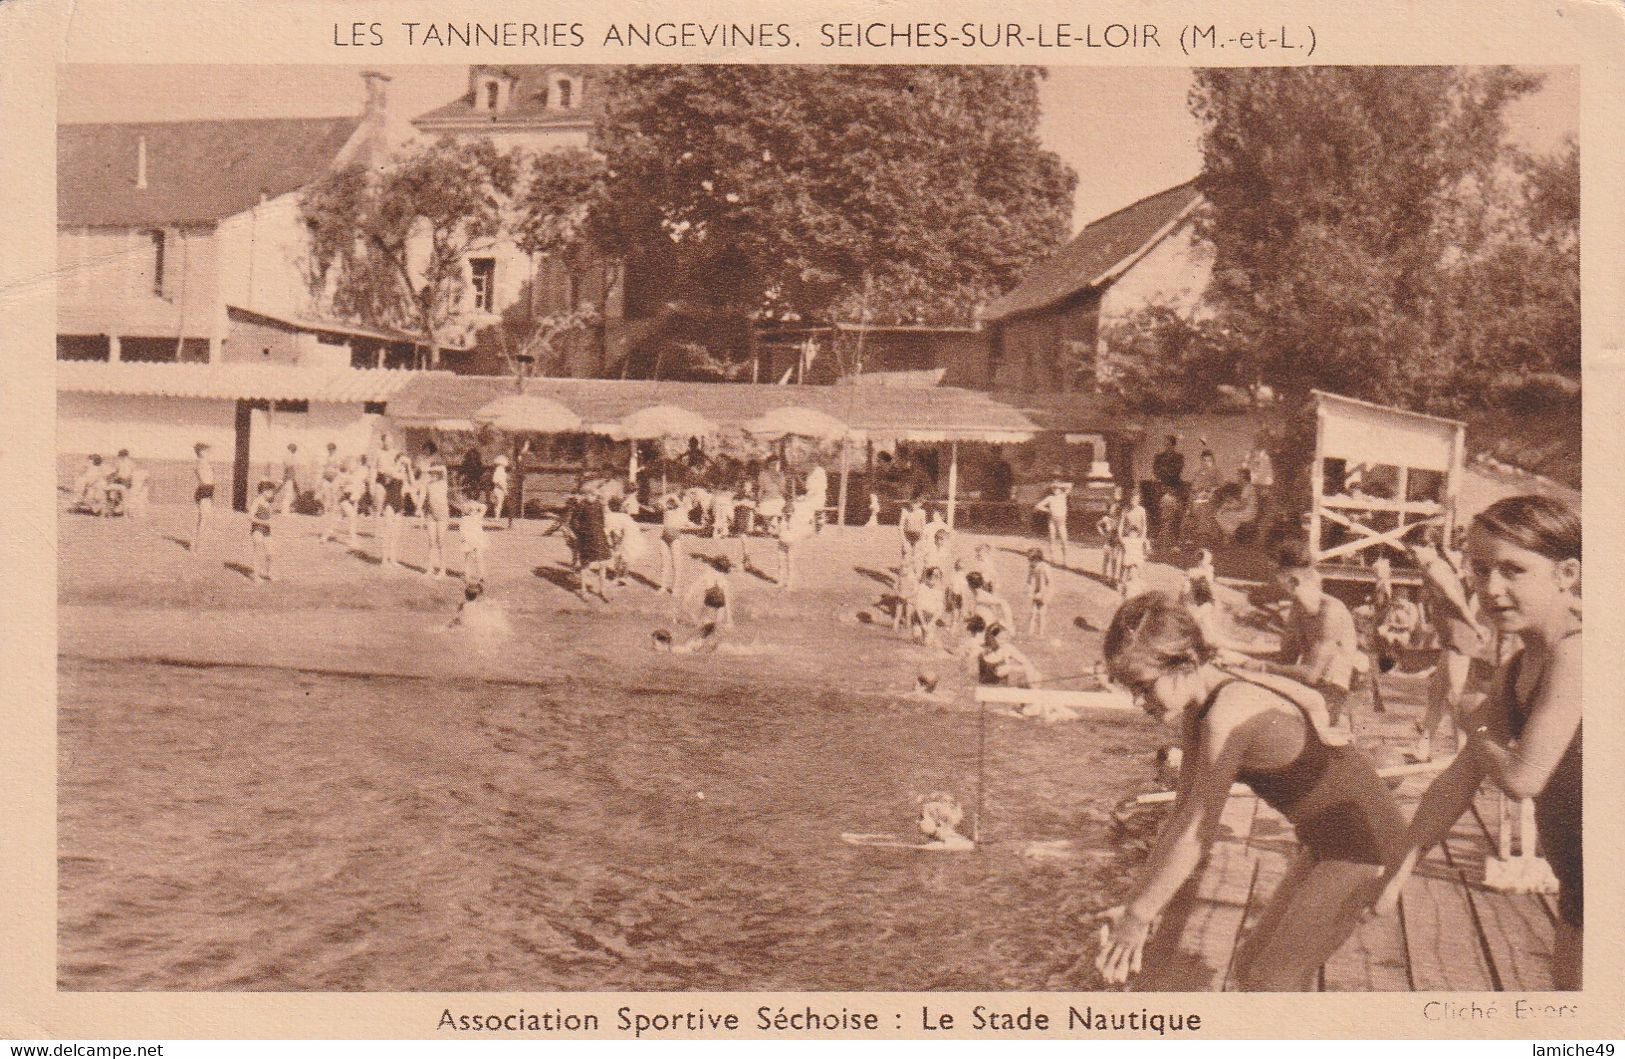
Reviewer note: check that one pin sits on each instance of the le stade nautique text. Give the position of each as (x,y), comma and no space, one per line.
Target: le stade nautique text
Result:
(803,1018)
(845,35)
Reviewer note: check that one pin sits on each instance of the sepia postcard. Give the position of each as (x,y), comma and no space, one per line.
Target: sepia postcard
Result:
(825,521)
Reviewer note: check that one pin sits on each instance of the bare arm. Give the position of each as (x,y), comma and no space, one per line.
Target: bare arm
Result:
(1524,770)
(1449,587)
(1204,787)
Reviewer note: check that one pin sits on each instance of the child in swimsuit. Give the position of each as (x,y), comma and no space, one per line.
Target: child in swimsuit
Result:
(436,513)
(287,493)
(499,486)
(477,613)
(327,494)
(259,529)
(1039,587)
(1527,737)
(472,527)
(90,488)
(202,493)
(925,613)
(1269,733)
(1131,559)
(673,522)
(795,527)
(1001,664)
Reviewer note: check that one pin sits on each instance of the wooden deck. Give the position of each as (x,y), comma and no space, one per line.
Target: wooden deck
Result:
(1451,932)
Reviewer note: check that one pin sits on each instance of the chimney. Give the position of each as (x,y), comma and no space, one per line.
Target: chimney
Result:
(141,161)
(377,87)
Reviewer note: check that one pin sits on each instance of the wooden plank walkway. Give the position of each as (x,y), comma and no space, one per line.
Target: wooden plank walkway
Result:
(1451,932)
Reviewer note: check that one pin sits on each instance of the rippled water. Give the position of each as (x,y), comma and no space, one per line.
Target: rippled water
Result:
(244,828)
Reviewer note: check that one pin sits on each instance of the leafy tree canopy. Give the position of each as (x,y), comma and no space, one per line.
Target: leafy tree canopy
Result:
(902,193)
(389,244)
(1375,235)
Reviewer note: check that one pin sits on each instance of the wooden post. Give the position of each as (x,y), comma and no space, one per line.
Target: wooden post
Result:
(1317,483)
(1453,481)
(840,503)
(953,481)
(1404,497)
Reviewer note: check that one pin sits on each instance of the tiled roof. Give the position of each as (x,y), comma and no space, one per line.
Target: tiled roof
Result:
(265,382)
(197,171)
(530,100)
(926,413)
(1094,253)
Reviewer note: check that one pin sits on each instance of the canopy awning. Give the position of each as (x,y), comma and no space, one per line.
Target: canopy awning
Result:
(528,414)
(926,414)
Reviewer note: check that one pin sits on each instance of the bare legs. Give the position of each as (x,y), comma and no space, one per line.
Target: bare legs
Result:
(1317,905)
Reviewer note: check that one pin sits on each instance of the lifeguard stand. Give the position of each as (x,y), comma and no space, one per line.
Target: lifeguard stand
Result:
(1378,474)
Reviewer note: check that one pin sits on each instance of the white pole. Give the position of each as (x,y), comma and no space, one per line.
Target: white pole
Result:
(953,482)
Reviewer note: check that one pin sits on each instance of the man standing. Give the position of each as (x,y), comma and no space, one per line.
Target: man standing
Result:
(1168,470)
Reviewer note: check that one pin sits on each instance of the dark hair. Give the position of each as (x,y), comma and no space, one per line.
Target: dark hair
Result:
(1201,592)
(265,487)
(1293,555)
(96,459)
(123,452)
(722,563)
(1538,523)
(1034,554)
(1153,634)
(975,625)
(473,590)
(660,636)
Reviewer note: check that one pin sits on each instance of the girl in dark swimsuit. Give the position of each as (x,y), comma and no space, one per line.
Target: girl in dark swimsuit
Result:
(1271,734)
(1524,554)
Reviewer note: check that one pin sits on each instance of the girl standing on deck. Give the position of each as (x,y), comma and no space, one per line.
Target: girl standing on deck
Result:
(1524,554)
(1271,734)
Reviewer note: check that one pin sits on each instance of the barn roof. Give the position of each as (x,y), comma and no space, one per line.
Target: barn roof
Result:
(1096,254)
(925,413)
(197,171)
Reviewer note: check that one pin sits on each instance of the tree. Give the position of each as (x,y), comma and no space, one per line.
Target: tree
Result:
(804,191)
(553,215)
(1345,206)
(1158,359)
(391,245)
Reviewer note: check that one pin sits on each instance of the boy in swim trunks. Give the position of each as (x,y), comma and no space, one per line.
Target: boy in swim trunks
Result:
(288,492)
(259,529)
(202,493)
(1320,646)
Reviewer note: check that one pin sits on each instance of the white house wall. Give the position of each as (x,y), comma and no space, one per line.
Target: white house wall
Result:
(264,257)
(160,432)
(1174,272)
(105,283)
